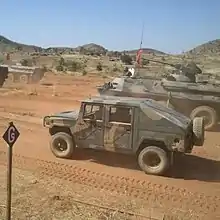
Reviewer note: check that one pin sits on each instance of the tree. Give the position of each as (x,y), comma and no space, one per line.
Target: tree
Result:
(99,67)
(126,59)
(145,62)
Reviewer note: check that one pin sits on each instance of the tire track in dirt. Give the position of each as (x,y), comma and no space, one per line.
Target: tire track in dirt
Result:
(161,195)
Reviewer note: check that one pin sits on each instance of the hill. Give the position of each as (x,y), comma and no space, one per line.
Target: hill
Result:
(211,47)
(7,45)
(146,51)
(92,48)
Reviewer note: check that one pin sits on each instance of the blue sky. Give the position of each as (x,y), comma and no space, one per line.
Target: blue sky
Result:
(170,25)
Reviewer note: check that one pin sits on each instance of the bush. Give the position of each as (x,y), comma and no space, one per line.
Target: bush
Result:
(62,62)
(126,59)
(145,62)
(26,62)
(99,67)
(84,72)
(59,68)
(115,68)
(72,66)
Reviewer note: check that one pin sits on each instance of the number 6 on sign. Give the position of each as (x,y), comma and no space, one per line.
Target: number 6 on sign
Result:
(11,135)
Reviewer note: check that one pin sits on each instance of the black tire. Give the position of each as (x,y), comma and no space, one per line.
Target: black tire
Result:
(163,163)
(209,114)
(59,139)
(198,131)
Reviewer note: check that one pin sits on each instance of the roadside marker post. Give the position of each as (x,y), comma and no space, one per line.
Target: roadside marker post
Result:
(10,137)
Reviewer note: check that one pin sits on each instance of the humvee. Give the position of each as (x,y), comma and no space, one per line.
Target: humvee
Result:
(141,127)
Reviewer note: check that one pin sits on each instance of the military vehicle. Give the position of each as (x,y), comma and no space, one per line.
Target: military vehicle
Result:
(18,73)
(140,127)
(186,90)
(24,74)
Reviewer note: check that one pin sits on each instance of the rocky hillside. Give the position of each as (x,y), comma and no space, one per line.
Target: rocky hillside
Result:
(7,45)
(147,51)
(92,48)
(211,47)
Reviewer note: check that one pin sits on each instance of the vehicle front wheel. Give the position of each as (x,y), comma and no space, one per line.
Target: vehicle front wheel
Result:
(153,160)
(62,145)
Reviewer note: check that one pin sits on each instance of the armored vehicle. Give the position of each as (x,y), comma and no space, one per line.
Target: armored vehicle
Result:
(20,73)
(25,74)
(186,90)
(140,127)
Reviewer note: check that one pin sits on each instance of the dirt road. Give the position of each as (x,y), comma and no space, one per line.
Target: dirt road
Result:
(193,186)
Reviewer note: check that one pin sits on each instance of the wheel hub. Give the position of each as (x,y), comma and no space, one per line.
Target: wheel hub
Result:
(61,145)
(152,159)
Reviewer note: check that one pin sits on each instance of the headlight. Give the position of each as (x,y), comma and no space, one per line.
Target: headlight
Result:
(47,121)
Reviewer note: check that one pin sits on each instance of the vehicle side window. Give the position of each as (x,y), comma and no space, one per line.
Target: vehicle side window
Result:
(120,114)
(93,111)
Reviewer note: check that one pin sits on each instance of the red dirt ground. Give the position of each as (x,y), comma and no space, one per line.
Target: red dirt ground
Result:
(193,185)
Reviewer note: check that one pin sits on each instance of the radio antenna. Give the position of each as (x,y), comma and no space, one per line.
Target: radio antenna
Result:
(142,35)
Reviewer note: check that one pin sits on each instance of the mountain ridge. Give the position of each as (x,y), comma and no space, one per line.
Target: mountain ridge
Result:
(7,45)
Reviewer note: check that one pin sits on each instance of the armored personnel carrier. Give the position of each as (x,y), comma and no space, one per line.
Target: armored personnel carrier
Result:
(19,73)
(25,74)
(186,90)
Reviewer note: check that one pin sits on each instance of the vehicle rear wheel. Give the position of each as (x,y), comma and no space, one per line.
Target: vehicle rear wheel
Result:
(153,160)
(62,145)
(198,131)
(209,114)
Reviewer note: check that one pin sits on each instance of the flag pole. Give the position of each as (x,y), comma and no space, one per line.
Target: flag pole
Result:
(142,35)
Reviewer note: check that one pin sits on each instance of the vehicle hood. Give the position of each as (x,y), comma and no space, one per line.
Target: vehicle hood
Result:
(67,114)
(171,115)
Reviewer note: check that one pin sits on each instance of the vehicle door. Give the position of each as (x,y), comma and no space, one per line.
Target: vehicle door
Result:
(118,128)
(89,128)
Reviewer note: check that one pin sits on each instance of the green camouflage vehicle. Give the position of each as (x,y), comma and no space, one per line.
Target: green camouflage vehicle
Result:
(143,128)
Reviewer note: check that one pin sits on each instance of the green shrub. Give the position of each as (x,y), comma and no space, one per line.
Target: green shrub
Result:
(126,59)
(26,62)
(59,68)
(99,67)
